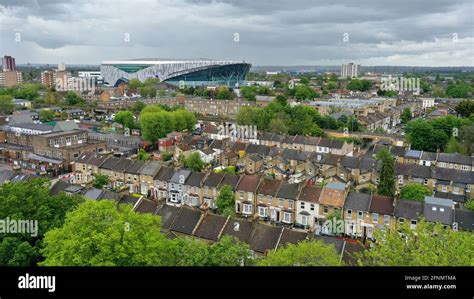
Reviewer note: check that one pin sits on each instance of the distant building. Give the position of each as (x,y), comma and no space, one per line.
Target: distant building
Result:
(47,78)
(198,72)
(10,78)
(8,63)
(350,70)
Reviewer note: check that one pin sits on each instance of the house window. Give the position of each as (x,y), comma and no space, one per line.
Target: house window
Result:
(375,217)
(413,224)
(287,217)
(260,198)
(386,219)
(444,188)
(290,204)
(311,207)
(250,196)
(456,190)
(248,209)
(425,182)
(269,198)
(304,220)
(433,209)
(281,203)
(441,209)
(349,214)
(325,209)
(241,194)
(302,205)
(262,211)
(401,220)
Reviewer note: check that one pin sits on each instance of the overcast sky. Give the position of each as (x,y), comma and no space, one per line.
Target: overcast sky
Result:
(288,32)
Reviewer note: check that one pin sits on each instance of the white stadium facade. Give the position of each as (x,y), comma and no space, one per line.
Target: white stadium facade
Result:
(187,72)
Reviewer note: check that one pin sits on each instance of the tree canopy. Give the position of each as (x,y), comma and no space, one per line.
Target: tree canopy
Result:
(30,200)
(194,162)
(414,191)
(99,233)
(428,244)
(386,185)
(225,201)
(305,253)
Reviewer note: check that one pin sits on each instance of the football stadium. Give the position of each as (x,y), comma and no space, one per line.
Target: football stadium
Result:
(187,72)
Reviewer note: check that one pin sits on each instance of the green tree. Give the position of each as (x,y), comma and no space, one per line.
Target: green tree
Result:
(6,104)
(305,253)
(386,185)
(470,204)
(428,244)
(227,252)
(100,180)
(143,156)
(194,162)
(30,200)
(126,119)
(423,136)
(138,106)
(414,191)
(454,146)
(46,115)
(277,125)
(72,99)
(406,115)
(98,233)
(225,201)
(223,93)
(134,84)
(465,108)
(64,115)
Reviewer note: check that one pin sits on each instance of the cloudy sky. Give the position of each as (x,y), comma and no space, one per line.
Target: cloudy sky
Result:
(273,32)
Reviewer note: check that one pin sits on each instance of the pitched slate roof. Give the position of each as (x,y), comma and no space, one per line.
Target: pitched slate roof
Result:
(134,167)
(310,194)
(409,209)
(165,174)
(290,236)
(454,158)
(230,179)
(238,228)
(168,214)
(186,221)
(128,199)
(93,193)
(358,201)
(213,180)
(110,195)
(248,183)
(146,206)
(180,176)
(432,210)
(195,179)
(264,237)
(289,191)
(464,219)
(210,227)
(59,187)
(382,205)
(150,169)
(268,187)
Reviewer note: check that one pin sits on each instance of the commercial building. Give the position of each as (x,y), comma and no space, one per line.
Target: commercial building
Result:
(198,72)
(10,78)
(350,70)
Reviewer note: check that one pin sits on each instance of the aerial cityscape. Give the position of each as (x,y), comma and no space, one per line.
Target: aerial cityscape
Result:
(236,133)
